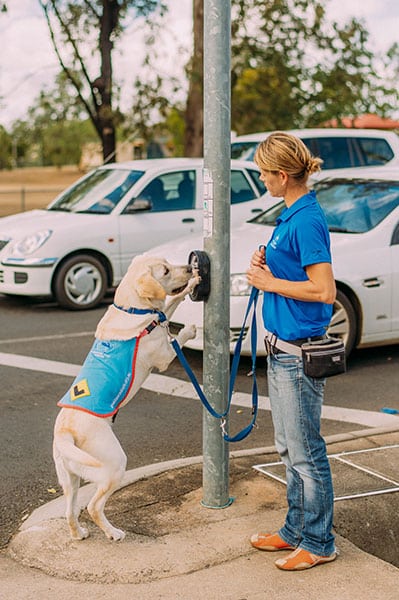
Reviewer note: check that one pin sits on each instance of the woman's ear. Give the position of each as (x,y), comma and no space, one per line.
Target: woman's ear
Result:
(283,177)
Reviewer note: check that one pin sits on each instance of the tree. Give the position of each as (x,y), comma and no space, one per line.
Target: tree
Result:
(76,25)
(293,68)
(193,139)
(5,149)
(55,130)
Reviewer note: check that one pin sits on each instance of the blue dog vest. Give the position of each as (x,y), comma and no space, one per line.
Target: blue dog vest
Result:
(105,378)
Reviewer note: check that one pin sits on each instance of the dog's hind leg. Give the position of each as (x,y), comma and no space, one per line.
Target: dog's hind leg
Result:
(78,532)
(70,485)
(96,506)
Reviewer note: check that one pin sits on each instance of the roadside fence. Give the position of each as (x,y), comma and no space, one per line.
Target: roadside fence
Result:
(21,199)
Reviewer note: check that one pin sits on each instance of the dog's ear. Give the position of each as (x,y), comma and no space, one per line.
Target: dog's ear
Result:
(149,287)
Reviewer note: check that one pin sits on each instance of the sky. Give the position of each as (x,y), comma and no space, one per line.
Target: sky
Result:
(28,62)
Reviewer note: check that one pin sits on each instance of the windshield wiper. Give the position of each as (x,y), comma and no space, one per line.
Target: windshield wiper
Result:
(90,211)
(339,230)
(59,209)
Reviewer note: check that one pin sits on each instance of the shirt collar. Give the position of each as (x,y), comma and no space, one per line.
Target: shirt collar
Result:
(300,204)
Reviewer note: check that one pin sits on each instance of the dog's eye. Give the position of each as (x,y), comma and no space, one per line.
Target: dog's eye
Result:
(166,271)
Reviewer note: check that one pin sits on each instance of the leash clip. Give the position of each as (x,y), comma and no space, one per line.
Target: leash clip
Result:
(223,426)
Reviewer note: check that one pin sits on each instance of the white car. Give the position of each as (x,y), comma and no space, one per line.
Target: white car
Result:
(82,244)
(339,148)
(362,211)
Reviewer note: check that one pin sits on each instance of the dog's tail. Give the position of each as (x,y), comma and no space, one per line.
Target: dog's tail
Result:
(65,445)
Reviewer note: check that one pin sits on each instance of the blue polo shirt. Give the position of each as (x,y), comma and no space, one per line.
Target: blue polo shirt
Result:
(301,238)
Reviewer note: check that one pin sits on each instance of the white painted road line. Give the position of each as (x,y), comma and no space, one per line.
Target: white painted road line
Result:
(41,338)
(38,364)
(161,384)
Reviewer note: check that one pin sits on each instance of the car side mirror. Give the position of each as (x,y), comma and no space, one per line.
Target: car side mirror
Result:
(138,205)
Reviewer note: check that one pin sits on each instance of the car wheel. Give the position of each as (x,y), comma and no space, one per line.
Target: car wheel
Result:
(80,283)
(343,323)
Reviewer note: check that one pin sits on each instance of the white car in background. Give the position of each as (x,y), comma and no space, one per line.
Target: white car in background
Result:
(83,243)
(362,211)
(339,148)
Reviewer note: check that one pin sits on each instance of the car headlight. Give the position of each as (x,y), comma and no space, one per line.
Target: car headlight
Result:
(239,285)
(30,243)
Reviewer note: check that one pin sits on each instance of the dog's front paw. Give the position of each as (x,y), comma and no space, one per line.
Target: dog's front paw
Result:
(190,331)
(193,282)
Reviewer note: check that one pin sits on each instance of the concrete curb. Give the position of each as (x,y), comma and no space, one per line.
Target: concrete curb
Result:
(55,509)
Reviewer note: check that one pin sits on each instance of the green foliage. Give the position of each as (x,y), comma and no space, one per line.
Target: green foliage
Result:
(174,129)
(293,68)
(5,149)
(55,130)
(290,68)
(63,141)
(54,133)
(83,34)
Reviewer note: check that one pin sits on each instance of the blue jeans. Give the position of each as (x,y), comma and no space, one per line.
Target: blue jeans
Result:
(296,402)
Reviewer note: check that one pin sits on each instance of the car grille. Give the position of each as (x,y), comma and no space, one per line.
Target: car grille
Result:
(235,334)
(3,243)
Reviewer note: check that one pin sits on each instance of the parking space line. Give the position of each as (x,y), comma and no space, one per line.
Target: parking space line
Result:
(162,384)
(40,338)
(32,363)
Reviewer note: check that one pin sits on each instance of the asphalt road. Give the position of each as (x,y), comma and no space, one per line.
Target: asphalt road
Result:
(154,427)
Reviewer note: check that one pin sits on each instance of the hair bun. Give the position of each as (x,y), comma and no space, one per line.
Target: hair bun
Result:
(314,164)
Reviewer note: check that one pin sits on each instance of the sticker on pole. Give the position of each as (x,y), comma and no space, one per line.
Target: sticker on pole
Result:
(208,203)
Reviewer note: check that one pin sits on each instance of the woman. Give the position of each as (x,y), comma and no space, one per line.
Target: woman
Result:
(296,277)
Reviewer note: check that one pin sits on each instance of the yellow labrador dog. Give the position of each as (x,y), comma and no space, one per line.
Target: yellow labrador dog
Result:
(131,340)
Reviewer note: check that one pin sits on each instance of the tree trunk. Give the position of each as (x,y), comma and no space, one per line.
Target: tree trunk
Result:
(194,117)
(108,21)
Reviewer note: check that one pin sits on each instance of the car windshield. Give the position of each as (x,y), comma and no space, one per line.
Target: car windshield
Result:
(98,193)
(350,206)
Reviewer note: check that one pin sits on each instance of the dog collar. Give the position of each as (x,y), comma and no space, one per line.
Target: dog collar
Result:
(142,311)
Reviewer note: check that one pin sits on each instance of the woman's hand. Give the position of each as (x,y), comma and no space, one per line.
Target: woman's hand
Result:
(260,277)
(258,257)
(259,274)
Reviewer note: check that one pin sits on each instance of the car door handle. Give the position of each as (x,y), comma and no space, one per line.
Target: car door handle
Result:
(372,282)
(188,220)
(256,210)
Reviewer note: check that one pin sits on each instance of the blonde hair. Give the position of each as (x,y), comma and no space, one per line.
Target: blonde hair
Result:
(282,151)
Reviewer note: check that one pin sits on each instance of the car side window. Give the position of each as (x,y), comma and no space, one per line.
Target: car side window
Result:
(372,151)
(333,151)
(395,236)
(347,151)
(171,191)
(241,190)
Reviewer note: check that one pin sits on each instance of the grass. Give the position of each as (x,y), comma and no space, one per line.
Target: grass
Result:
(33,187)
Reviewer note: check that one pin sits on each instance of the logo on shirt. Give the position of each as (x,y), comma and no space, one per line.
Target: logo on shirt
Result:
(274,242)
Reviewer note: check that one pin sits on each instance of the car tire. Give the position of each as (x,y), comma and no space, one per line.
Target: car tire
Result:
(80,282)
(343,323)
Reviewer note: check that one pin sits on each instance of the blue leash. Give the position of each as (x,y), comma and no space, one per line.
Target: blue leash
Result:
(234,368)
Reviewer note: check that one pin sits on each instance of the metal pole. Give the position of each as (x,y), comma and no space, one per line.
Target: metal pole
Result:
(216,356)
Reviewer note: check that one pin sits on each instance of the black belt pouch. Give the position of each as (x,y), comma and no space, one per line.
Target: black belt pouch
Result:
(324,358)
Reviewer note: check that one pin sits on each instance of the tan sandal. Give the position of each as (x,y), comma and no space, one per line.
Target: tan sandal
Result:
(271,542)
(301,559)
